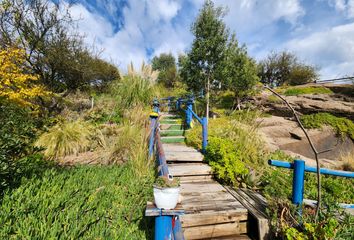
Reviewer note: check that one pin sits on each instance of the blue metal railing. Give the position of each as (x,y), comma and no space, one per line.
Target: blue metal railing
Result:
(189,117)
(300,168)
(166,226)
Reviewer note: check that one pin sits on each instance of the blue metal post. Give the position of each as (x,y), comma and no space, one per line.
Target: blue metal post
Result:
(177,229)
(189,113)
(163,228)
(156,105)
(152,135)
(204,133)
(298,182)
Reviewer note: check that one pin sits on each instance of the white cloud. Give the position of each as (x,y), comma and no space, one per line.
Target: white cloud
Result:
(251,15)
(343,6)
(332,50)
(147,24)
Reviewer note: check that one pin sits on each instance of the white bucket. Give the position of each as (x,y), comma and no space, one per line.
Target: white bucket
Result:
(166,198)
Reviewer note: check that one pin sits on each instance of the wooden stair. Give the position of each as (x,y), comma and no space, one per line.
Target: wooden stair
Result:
(211,212)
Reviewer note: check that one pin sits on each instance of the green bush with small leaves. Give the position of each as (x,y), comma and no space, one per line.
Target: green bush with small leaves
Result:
(294,91)
(83,202)
(342,126)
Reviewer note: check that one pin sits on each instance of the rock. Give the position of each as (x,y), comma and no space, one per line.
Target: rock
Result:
(338,105)
(281,133)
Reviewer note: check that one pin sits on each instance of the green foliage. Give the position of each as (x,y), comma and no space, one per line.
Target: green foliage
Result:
(342,126)
(132,91)
(68,138)
(295,91)
(287,224)
(240,71)
(84,202)
(165,182)
(285,68)
(232,146)
(225,160)
(166,65)
(55,53)
(204,62)
(17,132)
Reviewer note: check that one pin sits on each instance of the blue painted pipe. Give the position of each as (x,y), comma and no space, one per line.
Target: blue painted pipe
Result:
(177,229)
(152,135)
(325,171)
(163,228)
(205,134)
(189,114)
(196,116)
(298,182)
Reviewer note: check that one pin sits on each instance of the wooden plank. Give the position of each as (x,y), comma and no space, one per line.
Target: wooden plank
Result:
(256,211)
(152,210)
(192,179)
(233,237)
(174,147)
(197,196)
(217,230)
(183,156)
(201,187)
(173,139)
(189,169)
(212,217)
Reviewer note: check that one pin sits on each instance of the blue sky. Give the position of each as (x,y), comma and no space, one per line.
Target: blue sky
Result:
(320,32)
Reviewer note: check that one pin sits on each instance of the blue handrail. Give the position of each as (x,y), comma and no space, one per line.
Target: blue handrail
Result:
(300,168)
(166,226)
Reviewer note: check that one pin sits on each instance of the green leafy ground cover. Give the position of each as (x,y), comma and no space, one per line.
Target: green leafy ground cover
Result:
(82,202)
(342,126)
(294,91)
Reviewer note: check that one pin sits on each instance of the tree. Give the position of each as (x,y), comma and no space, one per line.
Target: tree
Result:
(56,54)
(16,85)
(241,71)
(166,65)
(203,64)
(285,68)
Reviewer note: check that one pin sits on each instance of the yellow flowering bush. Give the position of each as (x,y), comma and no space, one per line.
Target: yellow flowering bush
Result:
(16,83)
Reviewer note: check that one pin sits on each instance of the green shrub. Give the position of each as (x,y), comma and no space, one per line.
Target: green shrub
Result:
(231,143)
(83,202)
(342,126)
(225,160)
(294,91)
(68,138)
(17,132)
(132,91)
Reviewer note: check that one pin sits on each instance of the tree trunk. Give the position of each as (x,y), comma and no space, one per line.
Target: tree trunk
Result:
(207,99)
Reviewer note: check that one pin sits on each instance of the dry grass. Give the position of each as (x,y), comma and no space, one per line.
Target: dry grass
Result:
(69,138)
(347,161)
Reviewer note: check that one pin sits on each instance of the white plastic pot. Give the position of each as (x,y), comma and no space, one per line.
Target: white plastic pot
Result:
(166,198)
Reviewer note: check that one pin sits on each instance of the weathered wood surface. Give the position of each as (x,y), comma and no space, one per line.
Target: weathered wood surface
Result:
(211,212)
(215,230)
(174,156)
(189,169)
(256,205)
(151,210)
(174,147)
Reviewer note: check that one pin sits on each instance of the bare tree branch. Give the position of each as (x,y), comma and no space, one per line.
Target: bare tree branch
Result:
(315,151)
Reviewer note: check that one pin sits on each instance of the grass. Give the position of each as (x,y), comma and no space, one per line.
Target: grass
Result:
(295,91)
(68,138)
(347,161)
(84,202)
(342,126)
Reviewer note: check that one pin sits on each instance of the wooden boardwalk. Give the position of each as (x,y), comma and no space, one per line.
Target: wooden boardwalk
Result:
(211,211)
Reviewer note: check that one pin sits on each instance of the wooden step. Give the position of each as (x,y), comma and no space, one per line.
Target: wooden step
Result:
(171,127)
(165,133)
(171,121)
(183,156)
(173,139)
(213,231)
(189,169)
(178,148)
(232,237)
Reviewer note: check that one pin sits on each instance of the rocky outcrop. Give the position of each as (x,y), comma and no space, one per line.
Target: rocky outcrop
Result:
(284,134)
(336,104)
